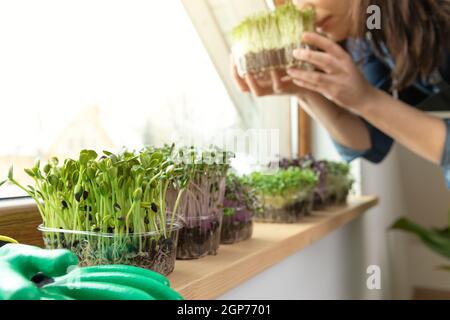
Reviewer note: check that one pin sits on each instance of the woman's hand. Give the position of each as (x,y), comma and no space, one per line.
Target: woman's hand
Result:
(344,126)
(339,80)
(276,83)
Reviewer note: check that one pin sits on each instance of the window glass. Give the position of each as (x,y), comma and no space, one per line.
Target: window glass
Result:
(102,74)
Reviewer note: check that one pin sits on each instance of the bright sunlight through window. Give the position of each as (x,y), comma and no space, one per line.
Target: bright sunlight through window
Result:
(102,74)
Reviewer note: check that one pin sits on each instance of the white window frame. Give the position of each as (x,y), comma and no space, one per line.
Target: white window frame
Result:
(275,111)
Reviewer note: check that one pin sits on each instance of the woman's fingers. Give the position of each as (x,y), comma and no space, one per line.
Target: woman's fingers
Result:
(241,84)
(313,77)
(278,85)
(324,44)
(313,81)
(322,60)
(324,91)
(306,85)
(255,88)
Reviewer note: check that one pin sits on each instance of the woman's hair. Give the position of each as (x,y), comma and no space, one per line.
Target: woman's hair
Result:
(415,32)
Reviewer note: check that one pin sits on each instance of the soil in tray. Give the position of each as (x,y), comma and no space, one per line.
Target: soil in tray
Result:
(157,255)
(196,241)
(330,199)
(234,231)
(319,202)
(288,214)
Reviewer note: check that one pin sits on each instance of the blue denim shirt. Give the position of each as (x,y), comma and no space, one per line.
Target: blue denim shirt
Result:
(378,72)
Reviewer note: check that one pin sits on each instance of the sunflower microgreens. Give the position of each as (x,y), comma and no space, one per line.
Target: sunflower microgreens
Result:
(119,194)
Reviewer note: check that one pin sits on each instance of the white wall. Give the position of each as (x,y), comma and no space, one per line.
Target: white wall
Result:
(427,201)
(403,183)
(329,269)
(335,267)
(406,185)
(383,247)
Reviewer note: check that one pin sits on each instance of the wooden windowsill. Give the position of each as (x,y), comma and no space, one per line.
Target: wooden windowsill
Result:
(212,276)
(17,205)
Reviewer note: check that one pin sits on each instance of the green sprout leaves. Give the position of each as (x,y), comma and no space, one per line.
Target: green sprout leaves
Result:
(86,156)
(11,173)
(282,182)
(99,194)
(273,30)
(123,193)
(337,168)
(200,175)
(338,179)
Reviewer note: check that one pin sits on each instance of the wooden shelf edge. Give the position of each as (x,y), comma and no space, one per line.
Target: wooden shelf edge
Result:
(217,279)
(213,276)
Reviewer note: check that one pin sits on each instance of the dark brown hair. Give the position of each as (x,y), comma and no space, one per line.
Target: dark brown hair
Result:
(416,33)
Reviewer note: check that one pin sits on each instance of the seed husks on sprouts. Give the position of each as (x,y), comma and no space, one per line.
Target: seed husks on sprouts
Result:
(98,204)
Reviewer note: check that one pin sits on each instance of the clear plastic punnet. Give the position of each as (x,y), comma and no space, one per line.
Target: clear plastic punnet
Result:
(237,225)
(154,250)
(200,236)
(240,204)
(200,207)
(289,208)
(285,196)
(339,182)
(265,42)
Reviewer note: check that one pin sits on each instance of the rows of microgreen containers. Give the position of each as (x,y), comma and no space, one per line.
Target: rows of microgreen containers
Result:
(150,207)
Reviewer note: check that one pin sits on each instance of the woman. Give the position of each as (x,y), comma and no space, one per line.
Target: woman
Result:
(365,88)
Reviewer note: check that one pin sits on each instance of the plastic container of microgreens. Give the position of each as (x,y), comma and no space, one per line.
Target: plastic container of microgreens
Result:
(286,196)
(339,182)
(288,208)
(319,167)
(108,209)
(239,205)
(201,213)
(237,225)
(151,250)
(200,236)
(201,204)
(265,42)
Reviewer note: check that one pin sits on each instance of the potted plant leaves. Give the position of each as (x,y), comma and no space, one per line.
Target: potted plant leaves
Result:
(436,239)
(239,205)
(201,204)
(108,210)
(286,195)
(266,41)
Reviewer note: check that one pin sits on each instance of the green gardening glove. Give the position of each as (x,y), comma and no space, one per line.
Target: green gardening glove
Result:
(20,263)
(56,277)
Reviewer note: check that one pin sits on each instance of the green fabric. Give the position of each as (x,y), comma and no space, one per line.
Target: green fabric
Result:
(20,263)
